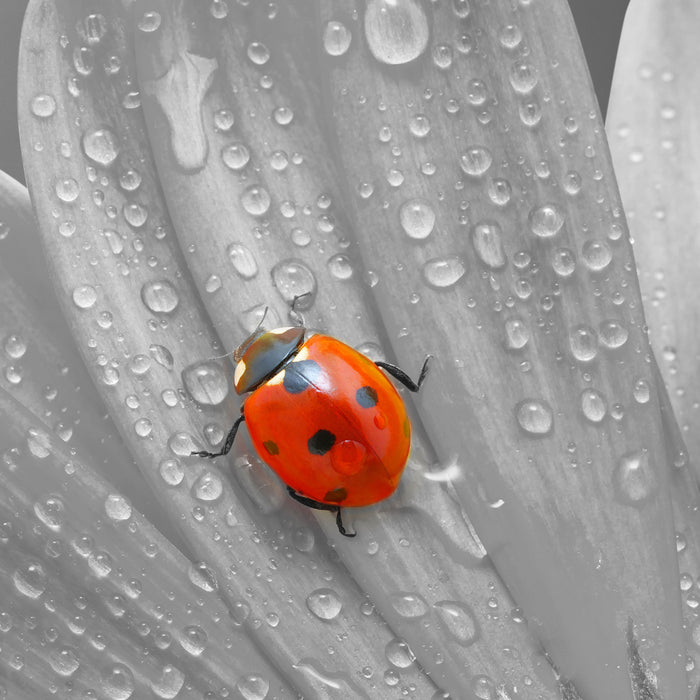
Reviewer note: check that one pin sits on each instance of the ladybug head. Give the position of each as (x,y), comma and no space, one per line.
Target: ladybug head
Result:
(260,355)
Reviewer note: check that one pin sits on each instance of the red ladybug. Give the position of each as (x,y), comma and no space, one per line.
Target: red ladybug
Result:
(323,417)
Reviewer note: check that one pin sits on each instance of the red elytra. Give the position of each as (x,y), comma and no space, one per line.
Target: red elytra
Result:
(324,417)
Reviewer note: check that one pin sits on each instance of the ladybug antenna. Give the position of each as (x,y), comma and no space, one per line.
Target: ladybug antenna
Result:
(238,352)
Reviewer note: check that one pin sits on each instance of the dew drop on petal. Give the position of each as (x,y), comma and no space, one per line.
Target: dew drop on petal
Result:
(593,405)
(634,479)
(324,603)
(442,273)
(417,218)
(642,391)
(583,342)
(517,333)
(256,200)
(523,77)
(487,240)
(243,260)
(458,621)
(51,512)
(194,640)
(396,30)
(235,156)
(206,383)
(208,487)
(67,189)
(30,579)
(399,654)
(64,661)
(340,267)
(534,416)
(203,577)
(336,38)
(476,160)
(43,106)
(160,296)
(409,605)
(149,21)
(100,146)
(253,687)
(169,684)
(293,278)
(117,507)
(171,471)
(596,254)
(85,296)
(117,682)
(563,262)
(546,221)
(613,334)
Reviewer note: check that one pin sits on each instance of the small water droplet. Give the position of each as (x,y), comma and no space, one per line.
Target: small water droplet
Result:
(243,260)
(51,512)
(642,391)
(534,416)
(596,254)
(500,191)
(64,661)
(208,487)
(253,687)
(43,106)
(336,38)
(634,479)
(203,577)
(476,160)
(135,214)
(488,244)
(517,333)
(117,682)
(613,334)
(171,471)
(593,405)
(442,273)
(583,342)
(340,267)
(417,218)
(30,579)
(256,200)
(223,120)
(324,603)
(399,654)
(458,621)
(85,296)
(546,221)
(523,77)
(563,262)
(149,22)
(235,156)
(419,125)
(258,53)
(409,605)
(396,30)
(67,189)
(194,640)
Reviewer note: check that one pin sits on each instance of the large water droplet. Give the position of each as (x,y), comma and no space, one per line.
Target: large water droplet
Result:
(596,254)
(30,579)
(117,507)
(442,273)
(399,654)
(203,577)
(458,620)
(634,479)
(523,77)
(563,262)
(409,605)
(517,333)
(208,487)
(67,189)
(476,160)
(583,342)
(51,512)
(293,278)
(194,640)
(336,38)
(206,383)
(64,661)
(324,603)
(117,682)
(613,334)
(100,145)
(43,106)
(593,405)
(397,30)
(253,687)
(235,156)
(256,200)
(417,218)
(243,260)
(160,296)
(488,244)
(534,416)
(546,221)
(85,296)
(169,684)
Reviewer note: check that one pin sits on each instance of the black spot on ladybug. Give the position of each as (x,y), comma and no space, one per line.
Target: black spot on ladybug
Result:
(366,397)
(321,441)
(336,495)
(271,447)
(301,375)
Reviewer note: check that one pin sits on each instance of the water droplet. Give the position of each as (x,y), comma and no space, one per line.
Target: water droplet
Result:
(500,191)
(171,471)
(235,156)
(117,507)
(253,687)
(488,244)
(30,579)
(563,262)
(135,214)
(461,8)
(572,182)
(194,640)
(517,333)
(324,603)
(43,106)
(15,347)
(444,272)
(336,38)
(583,342)
(64,661)
(534,416)
(258,53)
(399,654)
(510,36)
(442,56)
(397,30)
(340,267)
(169,684)
(208,487)
(546,221)
(293,278)
(409,605)
(458,621)
(223,120)
(596,254)
(613,334)
(417,218)
(203,577)
(149,21)
(51,512)
(160,296)
(243,260)
(642,391)
(100,146)
(634,479)
(117,682)
(593,405)
(67,189)
(256,200)
(523,77)
(530,112)
(85,296)
(419,125)
(476,160)
(283,116)
(206,383)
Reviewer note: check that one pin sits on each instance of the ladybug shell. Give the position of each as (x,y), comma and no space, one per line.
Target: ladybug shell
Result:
(331,425)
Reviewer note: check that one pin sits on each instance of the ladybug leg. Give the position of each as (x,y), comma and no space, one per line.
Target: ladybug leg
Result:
(401,376)
(309,503)
(228,443)
(295,315)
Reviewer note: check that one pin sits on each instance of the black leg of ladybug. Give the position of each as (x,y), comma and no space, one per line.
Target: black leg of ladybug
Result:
(310,503)
(228,443)
(293,313)
(401,376)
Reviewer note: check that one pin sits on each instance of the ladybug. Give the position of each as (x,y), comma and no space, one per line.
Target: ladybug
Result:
(323,416)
